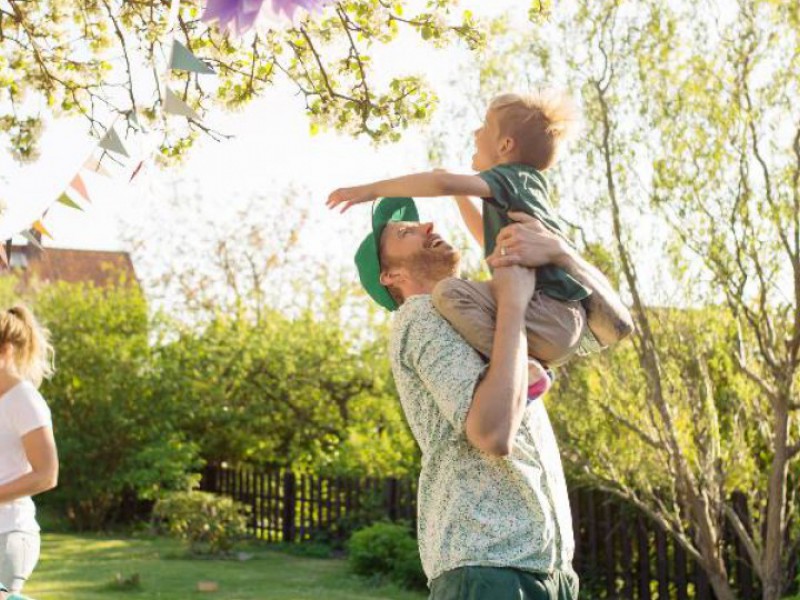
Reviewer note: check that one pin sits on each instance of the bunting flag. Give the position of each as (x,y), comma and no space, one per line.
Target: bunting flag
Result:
(112,143)
(136,170)
(38,226)
(182,59)
(28,235)
(67,201)
(95,166)
(176,106)
(79,186)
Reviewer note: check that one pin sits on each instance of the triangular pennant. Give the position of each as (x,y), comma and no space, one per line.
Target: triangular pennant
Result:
(176,106)
(96,166)
(79,186)
(67,201)
(38,226)
(112,143)
(31,238)
(182,59)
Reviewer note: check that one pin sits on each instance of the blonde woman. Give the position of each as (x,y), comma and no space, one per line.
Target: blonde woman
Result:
(28,457)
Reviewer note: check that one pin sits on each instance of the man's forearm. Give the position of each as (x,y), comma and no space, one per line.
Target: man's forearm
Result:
(608,318)
(499,402)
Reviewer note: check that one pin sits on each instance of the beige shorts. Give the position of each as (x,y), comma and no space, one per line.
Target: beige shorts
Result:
(554,327)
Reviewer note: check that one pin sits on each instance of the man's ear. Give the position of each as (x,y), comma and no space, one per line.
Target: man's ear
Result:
(392,277)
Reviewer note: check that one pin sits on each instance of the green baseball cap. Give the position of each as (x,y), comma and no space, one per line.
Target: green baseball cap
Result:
(368,261)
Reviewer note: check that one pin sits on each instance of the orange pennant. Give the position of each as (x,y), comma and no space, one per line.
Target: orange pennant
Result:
(79,186)
(38,226)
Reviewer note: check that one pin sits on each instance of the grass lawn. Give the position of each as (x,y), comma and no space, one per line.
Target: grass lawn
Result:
(74,567)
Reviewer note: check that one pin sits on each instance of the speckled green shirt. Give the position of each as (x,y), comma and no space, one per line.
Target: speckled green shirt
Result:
(475,509)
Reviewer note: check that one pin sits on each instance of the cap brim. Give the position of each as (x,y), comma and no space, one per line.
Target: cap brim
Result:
(387,210)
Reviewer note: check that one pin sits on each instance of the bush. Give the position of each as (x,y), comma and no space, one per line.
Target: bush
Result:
(211,524)
(387,550)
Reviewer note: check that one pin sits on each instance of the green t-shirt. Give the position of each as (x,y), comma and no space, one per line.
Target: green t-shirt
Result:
(522,188)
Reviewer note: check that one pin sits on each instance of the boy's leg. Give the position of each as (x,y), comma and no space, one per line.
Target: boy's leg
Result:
(470,307)
(553,327)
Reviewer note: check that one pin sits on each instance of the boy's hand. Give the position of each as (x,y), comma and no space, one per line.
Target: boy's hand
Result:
(347,197)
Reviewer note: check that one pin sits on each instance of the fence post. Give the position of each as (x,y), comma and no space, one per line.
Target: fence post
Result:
(391,498)
(289,487)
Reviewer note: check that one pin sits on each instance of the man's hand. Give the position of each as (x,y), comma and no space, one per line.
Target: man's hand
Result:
(527,243)
(347,197)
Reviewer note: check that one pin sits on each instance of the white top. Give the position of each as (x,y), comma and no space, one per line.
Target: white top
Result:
(22,410)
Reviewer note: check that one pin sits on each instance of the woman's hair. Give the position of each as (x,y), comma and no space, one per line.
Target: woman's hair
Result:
(33,352)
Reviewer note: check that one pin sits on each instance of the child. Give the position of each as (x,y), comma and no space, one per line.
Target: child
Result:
(520,138)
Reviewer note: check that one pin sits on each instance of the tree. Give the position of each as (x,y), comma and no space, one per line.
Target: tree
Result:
(102,59)
(114,437)
(689,172)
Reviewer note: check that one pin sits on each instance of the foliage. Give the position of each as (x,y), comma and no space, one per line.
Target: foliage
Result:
(387,550)
(282,392)
(114,436)
(687,177)
(210,524)
(97,59)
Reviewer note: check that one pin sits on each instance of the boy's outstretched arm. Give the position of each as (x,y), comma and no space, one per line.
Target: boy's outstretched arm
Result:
(472,217)
(419,185)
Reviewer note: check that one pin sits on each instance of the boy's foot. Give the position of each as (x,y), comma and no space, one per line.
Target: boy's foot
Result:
(541,380)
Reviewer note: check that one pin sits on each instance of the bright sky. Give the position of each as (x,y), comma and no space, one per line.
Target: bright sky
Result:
(272,150)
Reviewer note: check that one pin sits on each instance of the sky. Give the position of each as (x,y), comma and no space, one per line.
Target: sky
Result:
(271,151)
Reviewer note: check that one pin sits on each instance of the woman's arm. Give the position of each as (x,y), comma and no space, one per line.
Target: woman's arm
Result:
(40,449)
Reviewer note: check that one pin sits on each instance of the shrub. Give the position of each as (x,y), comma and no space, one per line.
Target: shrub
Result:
(211,524)
(387,550)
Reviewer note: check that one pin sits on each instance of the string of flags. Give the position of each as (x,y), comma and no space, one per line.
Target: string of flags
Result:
(76,193)
(234,16)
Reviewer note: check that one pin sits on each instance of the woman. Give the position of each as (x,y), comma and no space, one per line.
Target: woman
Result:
(28,458)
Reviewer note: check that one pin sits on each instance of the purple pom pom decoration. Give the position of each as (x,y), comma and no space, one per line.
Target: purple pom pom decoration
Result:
(240,16)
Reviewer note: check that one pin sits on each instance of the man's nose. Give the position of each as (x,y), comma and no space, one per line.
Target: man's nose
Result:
(427,228)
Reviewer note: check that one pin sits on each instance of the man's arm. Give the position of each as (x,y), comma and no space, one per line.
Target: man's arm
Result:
(531,244)
(419,185)
(498,404)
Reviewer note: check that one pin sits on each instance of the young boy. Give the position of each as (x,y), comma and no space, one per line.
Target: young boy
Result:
(519,139)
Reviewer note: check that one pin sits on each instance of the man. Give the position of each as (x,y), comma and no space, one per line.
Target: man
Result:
(494,516)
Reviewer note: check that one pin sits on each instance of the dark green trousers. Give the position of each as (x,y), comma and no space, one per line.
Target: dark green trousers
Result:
(494,583)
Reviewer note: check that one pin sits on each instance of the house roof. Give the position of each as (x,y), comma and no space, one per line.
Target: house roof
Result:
(103,268)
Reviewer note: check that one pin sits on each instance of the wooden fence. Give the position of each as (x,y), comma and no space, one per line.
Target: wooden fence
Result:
(620,554)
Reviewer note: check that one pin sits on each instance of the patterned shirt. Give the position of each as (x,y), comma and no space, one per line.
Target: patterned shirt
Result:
(473,508)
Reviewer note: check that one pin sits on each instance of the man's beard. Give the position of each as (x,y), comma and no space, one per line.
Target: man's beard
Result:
(434,264)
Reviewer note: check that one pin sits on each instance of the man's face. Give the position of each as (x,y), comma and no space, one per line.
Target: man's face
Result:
(487,143)
(418,249)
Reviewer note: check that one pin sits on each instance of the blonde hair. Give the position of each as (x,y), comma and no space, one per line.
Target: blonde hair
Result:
(33,352)
(538,123)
